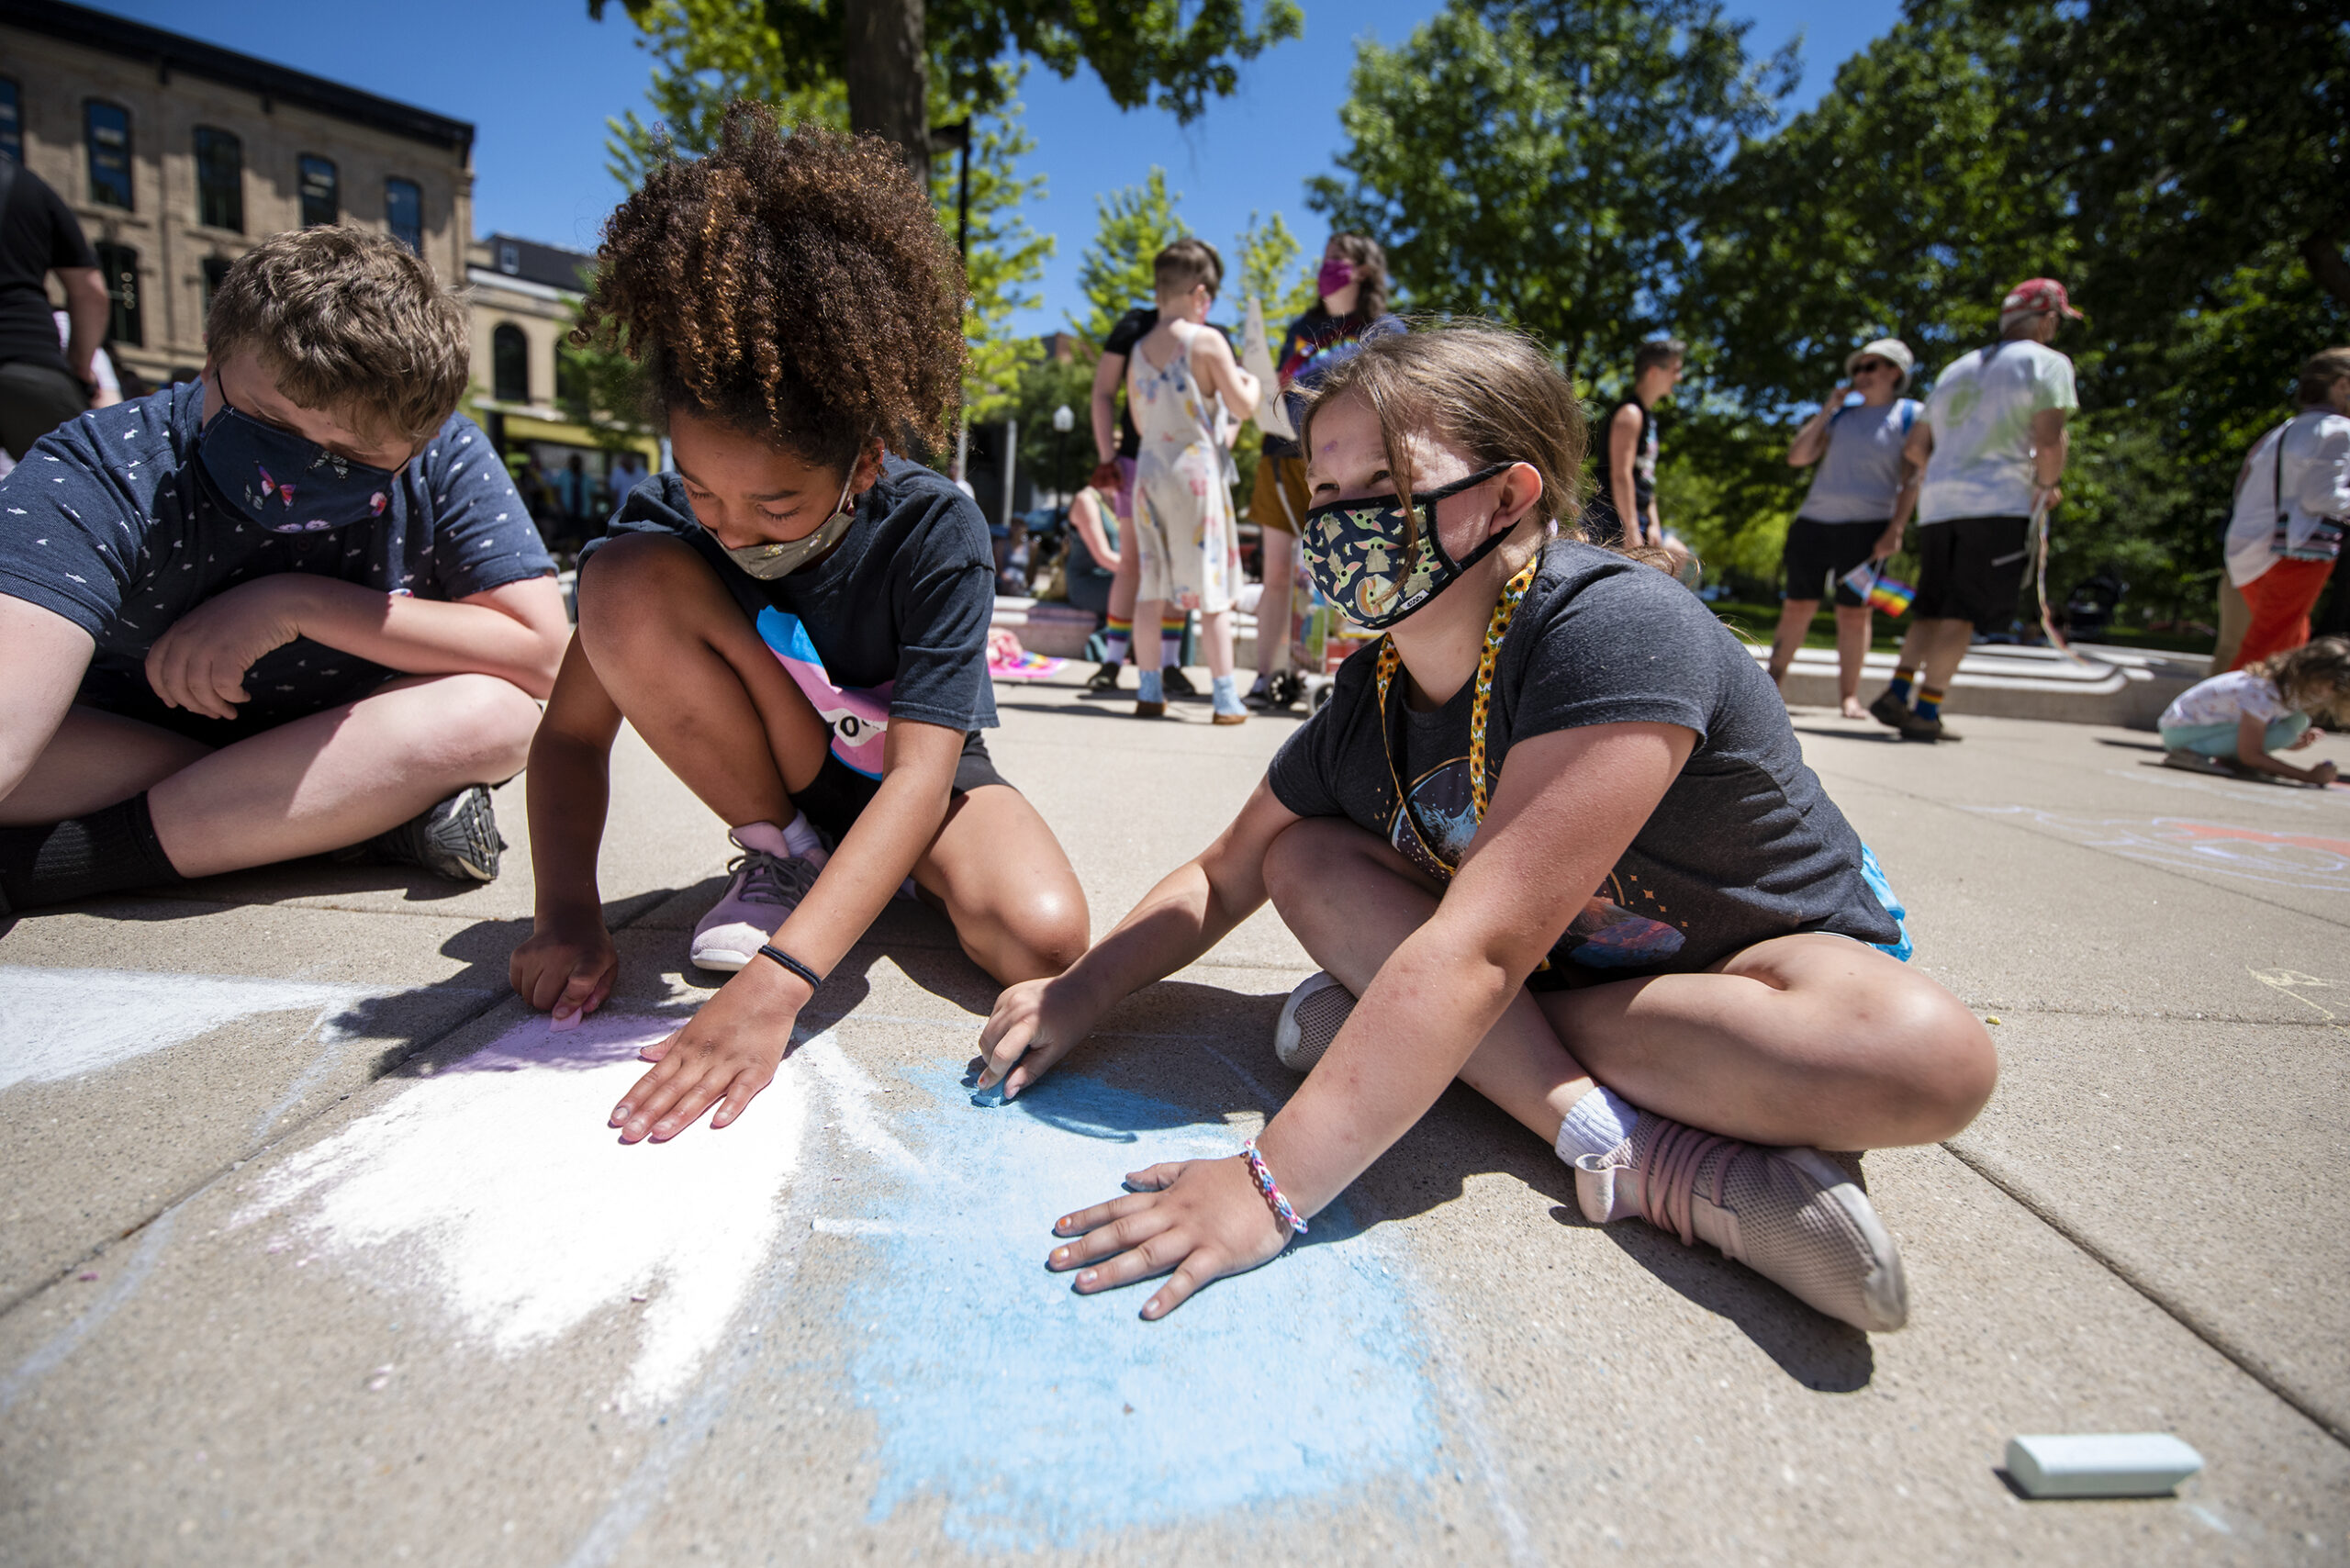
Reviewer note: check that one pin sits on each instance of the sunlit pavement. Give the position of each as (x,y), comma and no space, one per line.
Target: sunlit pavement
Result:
(317,1250)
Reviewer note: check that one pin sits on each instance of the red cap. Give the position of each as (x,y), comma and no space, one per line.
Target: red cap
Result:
(2038,294)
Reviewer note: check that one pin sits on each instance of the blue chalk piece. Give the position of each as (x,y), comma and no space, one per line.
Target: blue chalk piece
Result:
(989,1097)
(2101,1464)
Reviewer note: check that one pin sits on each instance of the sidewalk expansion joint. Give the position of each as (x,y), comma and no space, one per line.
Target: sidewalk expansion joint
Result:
(2251,1365)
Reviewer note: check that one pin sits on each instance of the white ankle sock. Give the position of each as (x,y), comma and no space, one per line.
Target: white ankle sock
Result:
(1596,1122)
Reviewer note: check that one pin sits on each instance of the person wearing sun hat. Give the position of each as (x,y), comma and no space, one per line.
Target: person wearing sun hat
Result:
(1862,495)
(1991,446)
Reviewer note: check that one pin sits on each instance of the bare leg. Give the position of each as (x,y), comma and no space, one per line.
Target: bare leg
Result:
(1808,1039)
(1852,648)
(1007,885)
(1950,640)
(1794,620)
(690,673)
(1272,606)
(93,760)
(1216,638)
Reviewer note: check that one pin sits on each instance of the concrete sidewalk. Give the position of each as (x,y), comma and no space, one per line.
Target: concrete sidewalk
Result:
(316,1248)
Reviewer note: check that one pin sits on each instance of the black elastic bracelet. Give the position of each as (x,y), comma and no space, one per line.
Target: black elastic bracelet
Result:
(815,981)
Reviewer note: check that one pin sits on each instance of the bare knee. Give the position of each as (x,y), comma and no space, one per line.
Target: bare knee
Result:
(1933,1066)
(1037,931)
(633,590)
(482,726)
(1298,861)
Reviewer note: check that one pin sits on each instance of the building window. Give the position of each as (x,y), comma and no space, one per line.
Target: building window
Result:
(321,191)
(215,268)
(219,180)
(509,364)
(12,122)
(105,132)
(118,264)
(509,258)
(404,213)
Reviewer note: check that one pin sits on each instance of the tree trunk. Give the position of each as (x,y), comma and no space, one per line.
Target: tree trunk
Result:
(2321,254)
(886,70)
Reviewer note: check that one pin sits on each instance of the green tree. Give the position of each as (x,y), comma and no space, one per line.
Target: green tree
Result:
(886,54)
(1546,163)
(1267,252)
(1132,225)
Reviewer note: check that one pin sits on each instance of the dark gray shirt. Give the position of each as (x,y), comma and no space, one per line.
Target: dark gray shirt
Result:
(1745,845)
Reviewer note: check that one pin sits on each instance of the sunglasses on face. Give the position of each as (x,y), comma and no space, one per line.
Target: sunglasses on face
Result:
(1870,367)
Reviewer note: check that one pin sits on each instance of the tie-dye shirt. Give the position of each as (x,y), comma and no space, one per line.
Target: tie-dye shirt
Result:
(1316,344)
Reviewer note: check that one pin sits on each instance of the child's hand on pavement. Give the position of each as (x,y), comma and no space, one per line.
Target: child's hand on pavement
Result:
(726,1053)
(1202,1218)
(2322,774)
(568,967)
(1031,1027)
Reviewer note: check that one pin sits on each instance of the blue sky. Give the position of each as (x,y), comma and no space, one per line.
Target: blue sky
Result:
(538,80)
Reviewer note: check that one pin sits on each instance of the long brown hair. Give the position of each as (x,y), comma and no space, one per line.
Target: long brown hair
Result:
(1363,253)
(2313,678)
(1485,389)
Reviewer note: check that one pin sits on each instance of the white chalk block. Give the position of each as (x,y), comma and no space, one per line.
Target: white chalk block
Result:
(2101,1464)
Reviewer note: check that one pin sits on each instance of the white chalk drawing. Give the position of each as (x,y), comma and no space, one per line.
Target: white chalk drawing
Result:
(2292,982)
(2305,860)
(61,1024)
(496,1185)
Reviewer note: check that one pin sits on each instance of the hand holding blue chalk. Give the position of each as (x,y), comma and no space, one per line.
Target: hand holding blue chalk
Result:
(989,1097)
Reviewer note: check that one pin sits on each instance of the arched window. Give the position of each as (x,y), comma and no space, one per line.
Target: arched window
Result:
(509,364)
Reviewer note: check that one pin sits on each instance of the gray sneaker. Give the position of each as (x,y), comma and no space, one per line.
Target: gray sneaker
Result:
(1793,1215)
(1310,1020)
(456,840)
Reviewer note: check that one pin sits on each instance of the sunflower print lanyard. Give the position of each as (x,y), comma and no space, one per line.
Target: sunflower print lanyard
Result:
(1480,707)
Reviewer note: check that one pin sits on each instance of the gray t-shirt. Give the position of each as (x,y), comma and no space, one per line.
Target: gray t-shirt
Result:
(1745,845)
(1860,475)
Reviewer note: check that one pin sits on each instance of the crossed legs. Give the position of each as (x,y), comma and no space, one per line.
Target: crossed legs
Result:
(1809,1039)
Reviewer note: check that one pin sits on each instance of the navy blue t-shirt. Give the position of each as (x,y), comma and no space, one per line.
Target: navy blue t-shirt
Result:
(111,522)
(892,624)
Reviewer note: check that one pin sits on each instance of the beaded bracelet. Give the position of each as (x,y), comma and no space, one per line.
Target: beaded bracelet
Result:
(1263,1176)
(815,981)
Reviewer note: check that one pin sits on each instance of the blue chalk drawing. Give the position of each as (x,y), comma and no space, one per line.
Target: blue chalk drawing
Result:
(1042,1416)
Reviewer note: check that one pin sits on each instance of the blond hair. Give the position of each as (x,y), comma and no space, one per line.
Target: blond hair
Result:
(1489,391)
(2313,678)
(347,323)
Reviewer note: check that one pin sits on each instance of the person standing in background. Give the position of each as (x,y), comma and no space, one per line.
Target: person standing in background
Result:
(575,492)
(1349,310)
(628,473)
(2292,498)
(1992,446)
(42,388)
(1862,495)
(1622,511)
(1115,444)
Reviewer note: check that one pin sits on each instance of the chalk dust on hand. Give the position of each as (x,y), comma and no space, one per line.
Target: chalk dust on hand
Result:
(558,1024)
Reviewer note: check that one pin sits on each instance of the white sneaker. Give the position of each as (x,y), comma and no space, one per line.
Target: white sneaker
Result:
(765,889)
(1310,1020)
(1790,1214)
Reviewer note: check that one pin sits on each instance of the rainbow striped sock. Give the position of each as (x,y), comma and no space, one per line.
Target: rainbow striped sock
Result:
(1899,688)
(1929,702)
(1116,636)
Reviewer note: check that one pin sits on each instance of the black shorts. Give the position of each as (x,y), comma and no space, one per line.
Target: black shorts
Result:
(839,793)
(293,682)
(1970,568)
(1820,552)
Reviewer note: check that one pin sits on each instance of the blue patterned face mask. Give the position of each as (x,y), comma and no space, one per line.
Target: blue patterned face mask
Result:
(287,483)
(1377,562)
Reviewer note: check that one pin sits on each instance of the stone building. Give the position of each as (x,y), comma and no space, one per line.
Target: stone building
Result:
(178,155)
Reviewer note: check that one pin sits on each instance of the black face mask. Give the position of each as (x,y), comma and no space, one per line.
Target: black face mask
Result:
(1367,559)
(287,483)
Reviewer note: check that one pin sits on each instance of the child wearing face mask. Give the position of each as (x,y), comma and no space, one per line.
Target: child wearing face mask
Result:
(1349,310)
(290,607)
(1604,891)
(796,620)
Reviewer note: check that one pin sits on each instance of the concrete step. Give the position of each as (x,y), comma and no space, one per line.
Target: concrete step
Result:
(2098,685)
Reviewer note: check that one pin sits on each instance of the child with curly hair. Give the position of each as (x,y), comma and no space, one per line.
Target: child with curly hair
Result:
(795,620)
(1551,835)
(2231,721)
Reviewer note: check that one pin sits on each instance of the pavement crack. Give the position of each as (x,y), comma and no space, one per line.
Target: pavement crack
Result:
(2219,1339)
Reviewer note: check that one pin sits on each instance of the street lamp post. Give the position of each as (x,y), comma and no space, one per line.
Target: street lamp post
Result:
(1063,422)
(958,137)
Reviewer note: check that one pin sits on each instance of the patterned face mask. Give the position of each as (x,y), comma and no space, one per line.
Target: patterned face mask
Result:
(1378,563)
(287,483)
(769,561)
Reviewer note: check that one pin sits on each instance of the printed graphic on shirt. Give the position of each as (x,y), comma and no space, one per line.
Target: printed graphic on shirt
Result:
(860,719)
(1603,935)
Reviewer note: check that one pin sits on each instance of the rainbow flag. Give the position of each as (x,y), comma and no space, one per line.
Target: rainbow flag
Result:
(1881,592)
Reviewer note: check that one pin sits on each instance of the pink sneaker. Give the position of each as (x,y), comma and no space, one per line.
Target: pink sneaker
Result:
(765,889)
(1790,1214)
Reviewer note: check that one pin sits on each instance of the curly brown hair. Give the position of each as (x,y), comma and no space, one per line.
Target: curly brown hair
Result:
(797,287)
(2313,678)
